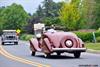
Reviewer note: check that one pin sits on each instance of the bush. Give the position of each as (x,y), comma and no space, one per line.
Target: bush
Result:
(26,36)
(98,39)
(88,36)
(85,36)
(97,33)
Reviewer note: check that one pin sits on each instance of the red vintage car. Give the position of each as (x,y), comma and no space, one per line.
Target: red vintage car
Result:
(59,42)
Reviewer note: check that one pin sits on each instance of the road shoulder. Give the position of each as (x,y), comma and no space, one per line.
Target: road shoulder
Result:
(93,51)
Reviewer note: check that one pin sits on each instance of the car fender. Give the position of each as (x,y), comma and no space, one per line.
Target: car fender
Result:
(34,45)
(81,43)
(48,45)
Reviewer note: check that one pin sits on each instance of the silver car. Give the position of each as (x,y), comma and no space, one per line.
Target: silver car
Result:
(9,37)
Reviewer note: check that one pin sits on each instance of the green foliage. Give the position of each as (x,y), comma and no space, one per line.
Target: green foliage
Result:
(96,25)
(26,36)
(89,12)
(1,23)
(97,33)
(14,17)
(49,21)
(88,36)
(85,36)
(1,19)
(48,12)
(50,8)
(76,2)
(86,9)
(69,16)
(98,39)
(83,10)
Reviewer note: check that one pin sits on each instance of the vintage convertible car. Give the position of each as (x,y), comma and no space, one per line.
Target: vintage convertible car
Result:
(59,42)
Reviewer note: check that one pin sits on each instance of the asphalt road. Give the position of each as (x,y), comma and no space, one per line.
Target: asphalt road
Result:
(65,60)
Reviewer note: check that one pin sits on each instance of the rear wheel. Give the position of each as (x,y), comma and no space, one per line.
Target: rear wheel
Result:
(77,54)
(33,53)
(58,53)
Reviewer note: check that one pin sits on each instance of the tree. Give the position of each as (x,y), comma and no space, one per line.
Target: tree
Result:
(86,10)
(96,25)
(88,13)
(14,16)
(69,16)
(1,19)
(40,11)
(47,12)
(51,14)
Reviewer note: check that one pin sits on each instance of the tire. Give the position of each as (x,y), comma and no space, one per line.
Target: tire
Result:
(3,43)
(16,43)
(58,54)
(33,53)
(47,55)
(77,54)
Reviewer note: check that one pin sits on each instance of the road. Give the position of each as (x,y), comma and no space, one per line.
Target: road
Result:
(22,52)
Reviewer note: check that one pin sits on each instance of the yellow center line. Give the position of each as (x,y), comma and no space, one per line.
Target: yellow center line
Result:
(10,56)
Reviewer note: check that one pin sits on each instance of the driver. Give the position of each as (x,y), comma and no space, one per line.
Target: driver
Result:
(52,29)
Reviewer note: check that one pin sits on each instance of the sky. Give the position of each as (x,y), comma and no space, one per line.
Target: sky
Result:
(30,6)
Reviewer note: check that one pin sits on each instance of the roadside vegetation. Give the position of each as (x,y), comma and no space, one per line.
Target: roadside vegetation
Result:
(13,17)
(26,37)
(94,46)
(87,36)
(78,14)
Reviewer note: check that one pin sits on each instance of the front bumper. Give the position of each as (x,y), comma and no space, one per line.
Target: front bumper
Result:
(9,41)
(69,49)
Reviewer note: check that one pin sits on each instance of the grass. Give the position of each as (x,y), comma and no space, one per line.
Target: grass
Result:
(94,46)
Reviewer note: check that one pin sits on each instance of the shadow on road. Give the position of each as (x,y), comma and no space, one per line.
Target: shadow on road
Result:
(57,57)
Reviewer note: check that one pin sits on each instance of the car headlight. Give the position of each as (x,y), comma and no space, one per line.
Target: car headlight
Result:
(38,35)
(69,43)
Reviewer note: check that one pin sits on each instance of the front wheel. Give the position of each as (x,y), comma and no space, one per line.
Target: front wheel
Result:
(33,53)
(77,54)
(2,43)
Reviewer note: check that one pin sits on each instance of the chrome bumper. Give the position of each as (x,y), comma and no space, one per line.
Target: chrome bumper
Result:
(70,49)
(9,41)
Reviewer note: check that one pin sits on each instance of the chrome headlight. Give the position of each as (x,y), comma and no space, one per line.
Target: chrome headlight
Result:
(69,43)
(38,35)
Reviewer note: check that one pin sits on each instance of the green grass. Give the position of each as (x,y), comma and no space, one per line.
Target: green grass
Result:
(94,46)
